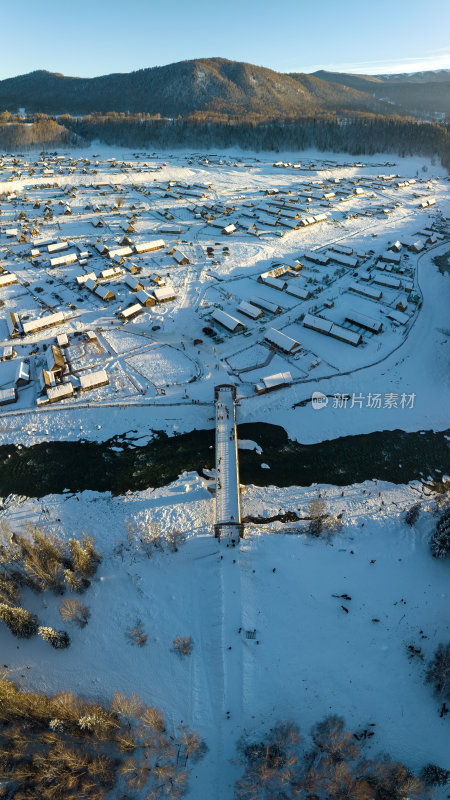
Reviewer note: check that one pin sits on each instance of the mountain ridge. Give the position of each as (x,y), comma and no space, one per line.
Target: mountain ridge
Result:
(207,85)
(219,86)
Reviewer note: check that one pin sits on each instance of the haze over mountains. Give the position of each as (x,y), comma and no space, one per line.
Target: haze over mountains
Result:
(230,88)
(419,93)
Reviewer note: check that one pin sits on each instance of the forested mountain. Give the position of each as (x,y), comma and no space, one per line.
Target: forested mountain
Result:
(213,85)
(421,93)
(214,102)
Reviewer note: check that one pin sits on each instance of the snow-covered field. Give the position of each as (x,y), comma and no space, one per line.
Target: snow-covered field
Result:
(309,656)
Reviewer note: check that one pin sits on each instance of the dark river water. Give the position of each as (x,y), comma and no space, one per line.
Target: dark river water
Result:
(118,465)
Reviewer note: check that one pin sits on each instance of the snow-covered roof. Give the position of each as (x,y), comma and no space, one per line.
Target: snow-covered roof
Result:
(390,257)
(249,310)
(374,325)
(53,248)
(104,292)
(133,282)
(8,396)
(267,305)
(145,247)
(43,322)
(317,323)
(145,298)
(317,258)
(120,251)
(111,272)
(281,340)
(297,291)
(7,278)
(387,280)
(281,378)
(229,322)
(398,316)
(180,258)
(343,258)
(367,291)
(59,261)
(22,372)
(131,311)
(91,380)
(164,293)
(276,283)
(350,337)
(60,392)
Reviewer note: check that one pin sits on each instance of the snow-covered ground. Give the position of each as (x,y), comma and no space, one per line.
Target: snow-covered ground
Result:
(155,370)
(309,657)
(285,625)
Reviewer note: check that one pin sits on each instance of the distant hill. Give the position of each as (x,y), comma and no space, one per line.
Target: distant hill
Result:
(420,93)
(428,76)
(211,85)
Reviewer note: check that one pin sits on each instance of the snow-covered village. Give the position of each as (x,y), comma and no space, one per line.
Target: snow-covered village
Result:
(224,439)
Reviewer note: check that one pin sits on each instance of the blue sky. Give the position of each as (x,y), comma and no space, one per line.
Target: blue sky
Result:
(95,37)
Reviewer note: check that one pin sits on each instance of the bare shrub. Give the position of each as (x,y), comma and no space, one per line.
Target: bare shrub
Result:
(72,610)
(145,534)
(136,634)
(37,557)
(85,557)
(193,746)
(175,539)
(316,511)
(183,645)
(9,590)
(317,508)
(52,760)
(330,737)
(42,556)
(283,765)
(269,763)
(36,554)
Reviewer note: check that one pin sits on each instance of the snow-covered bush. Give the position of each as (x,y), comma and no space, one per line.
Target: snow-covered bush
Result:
(19,621)
(438,671)
(432,775)
(58,639)
(412,514)
(440,541)
(76,582)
